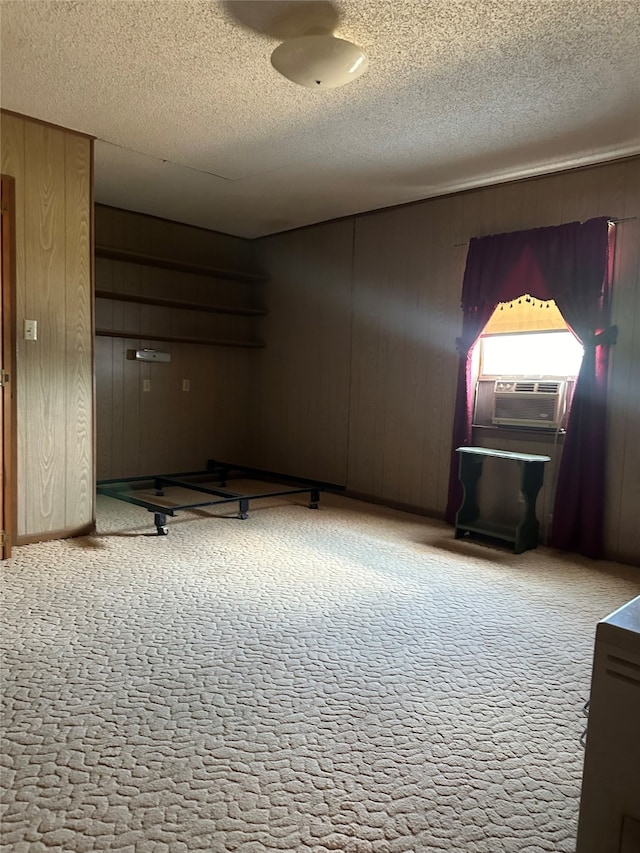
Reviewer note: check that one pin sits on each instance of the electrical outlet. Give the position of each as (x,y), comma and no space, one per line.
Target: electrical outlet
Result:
(146,385)
(31,330)
(186,384)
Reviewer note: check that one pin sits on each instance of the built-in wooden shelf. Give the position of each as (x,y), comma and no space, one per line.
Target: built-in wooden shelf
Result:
(179,303)
(170,264)
(142,336)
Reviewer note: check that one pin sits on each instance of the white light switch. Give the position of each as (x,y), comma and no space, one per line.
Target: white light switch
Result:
(31,330)
(186,385)
(146,385)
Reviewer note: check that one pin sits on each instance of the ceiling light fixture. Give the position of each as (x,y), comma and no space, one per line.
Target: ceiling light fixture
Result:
(320,61)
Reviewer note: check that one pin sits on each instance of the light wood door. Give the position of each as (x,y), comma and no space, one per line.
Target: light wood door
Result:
(7,348)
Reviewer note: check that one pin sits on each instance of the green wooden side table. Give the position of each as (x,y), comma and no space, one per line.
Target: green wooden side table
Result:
(523,535)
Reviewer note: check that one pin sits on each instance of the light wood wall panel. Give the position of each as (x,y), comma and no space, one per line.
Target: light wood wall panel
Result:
(79,471)
(52,170)
(399,295)
(12,152)
(44,365)
(166,429)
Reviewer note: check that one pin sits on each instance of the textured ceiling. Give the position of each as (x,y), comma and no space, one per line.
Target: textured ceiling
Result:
(194,124)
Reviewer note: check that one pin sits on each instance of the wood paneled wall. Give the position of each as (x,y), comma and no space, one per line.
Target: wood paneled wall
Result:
(167,429)
(123,229)
(358,377)
(55,465)
(300,414)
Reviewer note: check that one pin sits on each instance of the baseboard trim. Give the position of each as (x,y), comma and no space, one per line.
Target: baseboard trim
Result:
(625,559)
(402,507)
(66,533)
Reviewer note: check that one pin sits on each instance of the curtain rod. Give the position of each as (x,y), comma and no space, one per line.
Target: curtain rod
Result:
(611,222)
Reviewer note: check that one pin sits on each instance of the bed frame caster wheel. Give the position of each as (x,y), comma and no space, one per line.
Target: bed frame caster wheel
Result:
(160,521)
(243,515)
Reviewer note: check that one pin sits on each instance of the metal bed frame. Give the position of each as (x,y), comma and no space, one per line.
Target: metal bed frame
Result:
(215,470)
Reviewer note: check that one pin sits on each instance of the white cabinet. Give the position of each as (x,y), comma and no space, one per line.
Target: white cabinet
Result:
(610,802)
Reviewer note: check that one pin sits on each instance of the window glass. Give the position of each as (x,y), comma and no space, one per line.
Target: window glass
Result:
(531,354)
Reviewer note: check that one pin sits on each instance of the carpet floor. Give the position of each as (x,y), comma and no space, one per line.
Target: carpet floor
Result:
(351,679)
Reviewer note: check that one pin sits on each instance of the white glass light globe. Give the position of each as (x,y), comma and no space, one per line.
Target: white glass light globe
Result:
(319,62)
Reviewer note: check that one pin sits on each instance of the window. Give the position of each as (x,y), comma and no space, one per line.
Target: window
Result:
(525,363)
(530,354)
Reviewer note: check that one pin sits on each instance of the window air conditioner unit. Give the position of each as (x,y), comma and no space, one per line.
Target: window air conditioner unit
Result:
(529,402)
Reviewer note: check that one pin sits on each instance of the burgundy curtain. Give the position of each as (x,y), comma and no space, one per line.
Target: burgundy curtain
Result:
(578,515)
(474,318)
(567,263)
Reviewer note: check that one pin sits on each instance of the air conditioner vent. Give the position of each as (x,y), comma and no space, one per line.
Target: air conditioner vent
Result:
(539,403)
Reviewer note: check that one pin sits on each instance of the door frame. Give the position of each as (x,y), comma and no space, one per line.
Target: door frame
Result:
(8,502)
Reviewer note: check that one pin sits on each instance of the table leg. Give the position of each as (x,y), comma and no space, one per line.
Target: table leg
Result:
(531,478)
(469,472)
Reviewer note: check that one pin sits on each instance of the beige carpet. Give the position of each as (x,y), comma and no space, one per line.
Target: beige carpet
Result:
(350,679)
